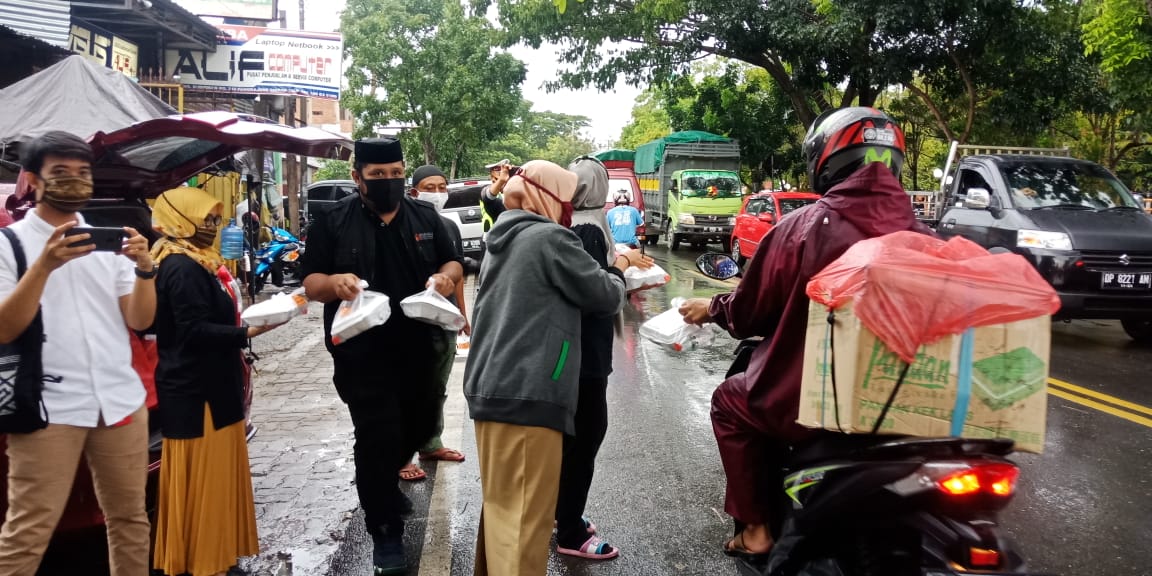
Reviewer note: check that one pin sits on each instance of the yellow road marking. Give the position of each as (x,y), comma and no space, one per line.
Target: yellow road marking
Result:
(1059,393)
(1103,397)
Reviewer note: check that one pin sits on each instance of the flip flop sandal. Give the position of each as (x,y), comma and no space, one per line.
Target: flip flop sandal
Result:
(588,526)
(443,454)
(412,473)
(734,550)
(593,549)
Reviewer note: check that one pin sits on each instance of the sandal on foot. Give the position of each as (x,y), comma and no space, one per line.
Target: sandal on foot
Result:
(443,454)
(593,549)
(412,473)
(588,526)
(736,549)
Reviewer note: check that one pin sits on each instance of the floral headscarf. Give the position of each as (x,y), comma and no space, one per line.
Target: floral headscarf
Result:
(176,215)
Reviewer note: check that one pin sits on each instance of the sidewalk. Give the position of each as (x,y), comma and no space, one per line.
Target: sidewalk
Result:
(301,455)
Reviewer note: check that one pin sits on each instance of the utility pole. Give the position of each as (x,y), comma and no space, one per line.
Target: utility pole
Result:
(294,165)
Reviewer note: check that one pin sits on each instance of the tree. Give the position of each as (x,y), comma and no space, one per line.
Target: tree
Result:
(333,170)
(432,69)
(545,135)
(649,120)
(741,102)
(808,47)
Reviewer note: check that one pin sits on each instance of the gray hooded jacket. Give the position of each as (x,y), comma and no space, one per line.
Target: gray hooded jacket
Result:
(524,363)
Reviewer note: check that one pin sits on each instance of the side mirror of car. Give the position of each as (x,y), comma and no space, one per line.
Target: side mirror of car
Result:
(766,217)
(717,266)
(978,199)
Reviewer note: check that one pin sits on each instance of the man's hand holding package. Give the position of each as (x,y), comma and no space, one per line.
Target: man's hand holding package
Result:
(695,311)
(442,284)
(346,286)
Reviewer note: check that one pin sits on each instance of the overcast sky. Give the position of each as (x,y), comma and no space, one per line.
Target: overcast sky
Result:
(609,112)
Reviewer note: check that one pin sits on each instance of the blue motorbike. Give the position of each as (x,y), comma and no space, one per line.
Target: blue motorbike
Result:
(278,261)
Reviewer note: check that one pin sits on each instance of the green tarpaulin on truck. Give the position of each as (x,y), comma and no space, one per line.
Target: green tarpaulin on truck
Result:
(615,154)
(650,155)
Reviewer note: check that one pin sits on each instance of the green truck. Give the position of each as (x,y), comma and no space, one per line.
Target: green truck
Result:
(691,186)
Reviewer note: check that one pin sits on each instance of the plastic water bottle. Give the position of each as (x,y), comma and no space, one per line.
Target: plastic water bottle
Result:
(232,241)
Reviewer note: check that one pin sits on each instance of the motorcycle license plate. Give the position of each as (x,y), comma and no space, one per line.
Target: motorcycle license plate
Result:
(291,256)
(1126,280)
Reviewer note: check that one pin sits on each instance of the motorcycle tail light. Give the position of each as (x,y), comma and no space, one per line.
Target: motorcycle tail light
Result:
(996,479)
(983,558)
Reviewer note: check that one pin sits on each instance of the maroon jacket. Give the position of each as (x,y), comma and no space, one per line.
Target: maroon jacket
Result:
(771,301)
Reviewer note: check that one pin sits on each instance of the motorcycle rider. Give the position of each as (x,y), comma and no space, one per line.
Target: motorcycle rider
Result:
(854,158)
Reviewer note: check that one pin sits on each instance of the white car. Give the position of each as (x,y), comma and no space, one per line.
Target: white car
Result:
(463,209)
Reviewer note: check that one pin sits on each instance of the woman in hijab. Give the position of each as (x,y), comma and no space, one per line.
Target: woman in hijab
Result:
(522,377)
(576,535)
(206,518)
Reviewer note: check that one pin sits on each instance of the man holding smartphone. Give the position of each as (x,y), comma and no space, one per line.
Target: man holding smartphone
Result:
(94,398)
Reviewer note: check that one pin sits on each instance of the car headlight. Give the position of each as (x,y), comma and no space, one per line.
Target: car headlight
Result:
(688,219)
(1043,239)
(731,220)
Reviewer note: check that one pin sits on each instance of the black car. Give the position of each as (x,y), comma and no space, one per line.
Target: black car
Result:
(1074,220)
(318,196)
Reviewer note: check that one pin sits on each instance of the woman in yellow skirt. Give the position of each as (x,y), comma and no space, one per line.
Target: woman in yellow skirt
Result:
(206,518)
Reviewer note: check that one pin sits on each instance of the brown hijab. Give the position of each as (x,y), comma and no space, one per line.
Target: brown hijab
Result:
(547,189)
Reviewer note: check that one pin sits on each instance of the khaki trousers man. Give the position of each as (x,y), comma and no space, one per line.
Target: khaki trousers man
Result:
(41,468)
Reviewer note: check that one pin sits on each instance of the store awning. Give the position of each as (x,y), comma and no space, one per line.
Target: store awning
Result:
(140,20)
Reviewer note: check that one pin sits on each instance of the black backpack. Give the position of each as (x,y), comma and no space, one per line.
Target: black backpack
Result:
(22,407)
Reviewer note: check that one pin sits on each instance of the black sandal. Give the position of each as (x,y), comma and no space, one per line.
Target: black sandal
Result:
(740,551)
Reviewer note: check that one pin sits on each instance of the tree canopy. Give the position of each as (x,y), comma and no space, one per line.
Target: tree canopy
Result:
(432,69)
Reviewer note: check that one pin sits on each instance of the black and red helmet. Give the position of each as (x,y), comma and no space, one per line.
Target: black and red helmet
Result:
(841,141)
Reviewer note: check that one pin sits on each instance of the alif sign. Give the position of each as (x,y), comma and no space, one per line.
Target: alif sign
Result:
(264,61)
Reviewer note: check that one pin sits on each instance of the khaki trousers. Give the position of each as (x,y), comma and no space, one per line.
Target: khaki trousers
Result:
(520,478)
(41,468)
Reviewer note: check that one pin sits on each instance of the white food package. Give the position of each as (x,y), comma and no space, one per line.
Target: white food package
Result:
(637,279)
(670,330)
(432,308)
(278,309)
(364,312)
(463,344)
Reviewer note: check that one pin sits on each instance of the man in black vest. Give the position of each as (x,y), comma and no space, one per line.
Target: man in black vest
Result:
(387,375)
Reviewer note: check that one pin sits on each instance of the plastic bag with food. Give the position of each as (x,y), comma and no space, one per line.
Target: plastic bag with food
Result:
(360,314)
(637,279)
(432,308)
(669,329)
(278,309)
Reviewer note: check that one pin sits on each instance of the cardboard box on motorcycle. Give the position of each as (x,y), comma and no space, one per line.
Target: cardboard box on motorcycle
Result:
(1005,366)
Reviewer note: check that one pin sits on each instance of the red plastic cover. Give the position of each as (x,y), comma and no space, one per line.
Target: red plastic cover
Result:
(911,289)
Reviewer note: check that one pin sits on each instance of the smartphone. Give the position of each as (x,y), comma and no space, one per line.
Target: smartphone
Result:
(105,239)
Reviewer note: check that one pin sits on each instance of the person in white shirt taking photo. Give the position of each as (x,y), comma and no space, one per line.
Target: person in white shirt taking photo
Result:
(94,399)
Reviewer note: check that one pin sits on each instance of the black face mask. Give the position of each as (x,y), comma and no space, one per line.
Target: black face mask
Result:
(385,194)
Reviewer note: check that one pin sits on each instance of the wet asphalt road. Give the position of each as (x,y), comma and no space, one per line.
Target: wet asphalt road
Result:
(1084,507)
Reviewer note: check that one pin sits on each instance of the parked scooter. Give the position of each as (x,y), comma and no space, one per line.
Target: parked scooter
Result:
(279,259)
(884,505)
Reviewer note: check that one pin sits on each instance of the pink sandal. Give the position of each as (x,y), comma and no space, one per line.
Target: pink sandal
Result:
(593,549)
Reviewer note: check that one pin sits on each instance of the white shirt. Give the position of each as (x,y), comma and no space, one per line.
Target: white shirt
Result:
(87,354)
